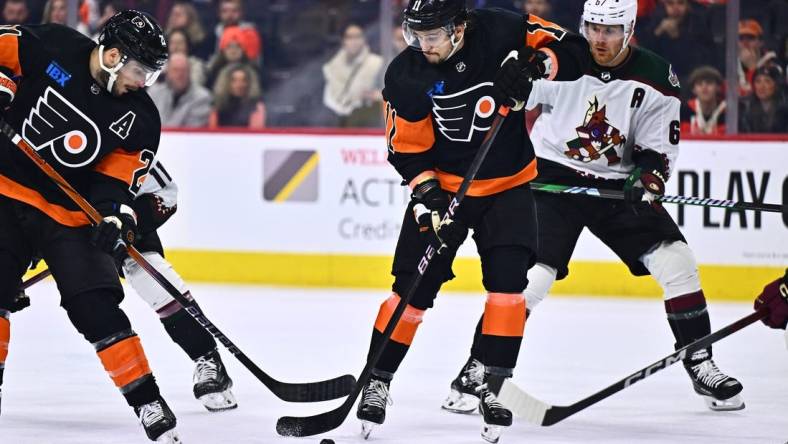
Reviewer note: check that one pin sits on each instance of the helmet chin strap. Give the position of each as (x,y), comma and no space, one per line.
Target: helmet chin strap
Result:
(113,72)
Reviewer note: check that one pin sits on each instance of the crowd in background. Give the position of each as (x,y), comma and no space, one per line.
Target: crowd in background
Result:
(259,63)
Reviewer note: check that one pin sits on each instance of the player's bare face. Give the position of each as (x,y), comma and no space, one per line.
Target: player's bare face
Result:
(606,42)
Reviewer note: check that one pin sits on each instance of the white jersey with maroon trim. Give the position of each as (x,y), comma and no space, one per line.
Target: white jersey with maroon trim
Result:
(595,124)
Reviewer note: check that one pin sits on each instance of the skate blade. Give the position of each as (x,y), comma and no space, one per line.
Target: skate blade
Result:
(366,428)
(219,401)
(458,402)
(492,433)
(169,437)
(724,405)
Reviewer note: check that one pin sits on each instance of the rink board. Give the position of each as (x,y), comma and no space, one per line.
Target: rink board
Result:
(325,210)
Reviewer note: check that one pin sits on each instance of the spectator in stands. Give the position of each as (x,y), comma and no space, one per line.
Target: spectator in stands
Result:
(55,12)
(704,113)
(765,110)
(178,43)
(237,45)
(184,16)
(539,8)
(231,13)
(15,12)
(353,81)
(181,103)
(751,53)
(237,99)
(680,35)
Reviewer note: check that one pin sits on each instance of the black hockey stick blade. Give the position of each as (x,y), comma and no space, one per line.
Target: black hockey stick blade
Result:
(539,412)
(324,422)
(308,392)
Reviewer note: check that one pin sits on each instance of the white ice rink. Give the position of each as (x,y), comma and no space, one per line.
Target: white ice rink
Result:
(56,391)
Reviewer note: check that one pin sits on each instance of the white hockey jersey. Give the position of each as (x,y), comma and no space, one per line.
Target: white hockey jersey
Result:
(595,124)
(159,182)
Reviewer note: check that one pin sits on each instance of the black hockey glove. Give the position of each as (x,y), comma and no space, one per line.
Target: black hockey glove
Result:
(117,230)
(430,194)
(513,81)
(7,90)
(431,204)
(445,235)
(19,302)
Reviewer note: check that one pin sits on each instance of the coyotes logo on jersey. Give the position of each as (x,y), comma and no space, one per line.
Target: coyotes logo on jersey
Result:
(55,124)
(461,114)
(596,136)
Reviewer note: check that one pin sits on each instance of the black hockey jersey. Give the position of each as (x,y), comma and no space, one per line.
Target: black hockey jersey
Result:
(437,115)
(103,145)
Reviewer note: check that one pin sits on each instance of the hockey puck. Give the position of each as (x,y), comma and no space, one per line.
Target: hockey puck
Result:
(326,441)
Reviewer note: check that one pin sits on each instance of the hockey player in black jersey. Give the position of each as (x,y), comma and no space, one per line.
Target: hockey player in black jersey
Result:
(83,107)
(615,127)
(441,95)
(154,205)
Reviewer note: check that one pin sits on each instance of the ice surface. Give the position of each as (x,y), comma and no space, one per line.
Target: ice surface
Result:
(56,391)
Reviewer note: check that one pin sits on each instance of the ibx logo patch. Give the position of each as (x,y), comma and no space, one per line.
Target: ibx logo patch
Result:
(57,125)
(58,74)
(460,114)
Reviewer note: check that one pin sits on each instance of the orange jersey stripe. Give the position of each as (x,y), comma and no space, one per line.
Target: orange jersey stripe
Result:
(5,338)
(504,315)
(121,165)
(485,187)
(9,52)
(33,198)
(125,361)
(540,32)
(403,136)
(406,328)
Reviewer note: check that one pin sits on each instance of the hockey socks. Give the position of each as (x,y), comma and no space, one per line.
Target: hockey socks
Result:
(186,331)
(688,318)
(401,337)
(502,329)
(124,360)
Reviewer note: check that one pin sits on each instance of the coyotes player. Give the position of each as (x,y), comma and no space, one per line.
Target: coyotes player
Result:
(155,204)
(617,126)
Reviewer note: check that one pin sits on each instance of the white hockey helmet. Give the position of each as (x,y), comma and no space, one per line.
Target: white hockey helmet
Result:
(611,12)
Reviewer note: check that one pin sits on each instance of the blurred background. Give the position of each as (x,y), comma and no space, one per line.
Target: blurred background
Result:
(304,63)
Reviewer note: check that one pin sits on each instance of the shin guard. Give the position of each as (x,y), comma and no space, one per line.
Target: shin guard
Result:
(401,337)
(124,360)
(503,324)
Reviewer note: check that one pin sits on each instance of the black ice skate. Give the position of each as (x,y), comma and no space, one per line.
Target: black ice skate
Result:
(158,421)
(372,408)
(495,415)
(212,384)
(464,396)
(720,391)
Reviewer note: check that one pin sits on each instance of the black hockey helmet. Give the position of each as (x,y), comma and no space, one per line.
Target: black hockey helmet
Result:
(423,15)
(137,35)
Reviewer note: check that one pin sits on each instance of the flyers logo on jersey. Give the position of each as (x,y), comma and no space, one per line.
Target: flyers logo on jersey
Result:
(461,114)
(55,124)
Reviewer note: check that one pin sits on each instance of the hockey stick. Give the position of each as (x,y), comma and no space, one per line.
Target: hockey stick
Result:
(35,279)
(316,424)
(296,392)
(541,413)
(681,200)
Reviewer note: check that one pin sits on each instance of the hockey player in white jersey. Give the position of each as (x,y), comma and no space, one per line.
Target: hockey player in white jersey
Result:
(155,203)
(616,127)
